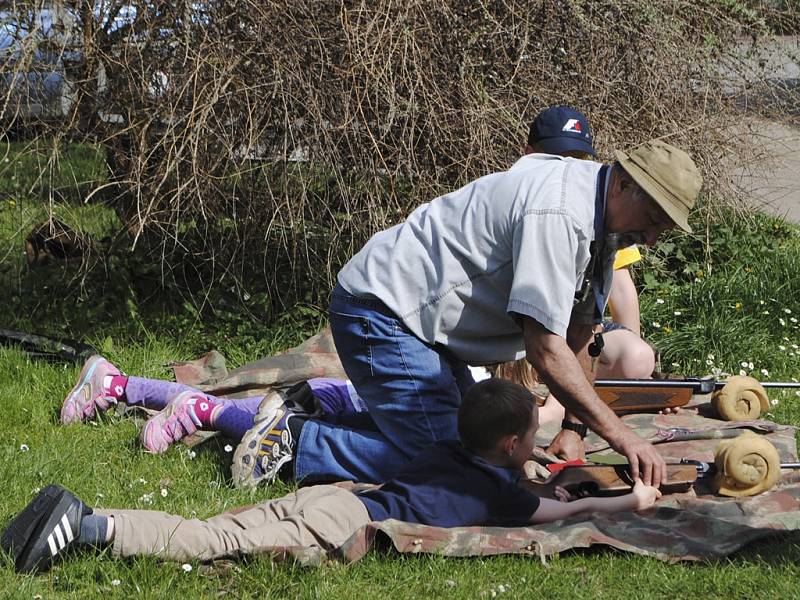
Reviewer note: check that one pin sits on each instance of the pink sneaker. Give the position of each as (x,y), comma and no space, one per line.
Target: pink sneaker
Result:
(174,423)
(88,396)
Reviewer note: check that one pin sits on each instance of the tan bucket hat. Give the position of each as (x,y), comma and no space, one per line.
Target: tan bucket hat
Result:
(667,174)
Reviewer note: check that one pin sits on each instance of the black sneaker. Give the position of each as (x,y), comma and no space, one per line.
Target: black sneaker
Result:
(44,529)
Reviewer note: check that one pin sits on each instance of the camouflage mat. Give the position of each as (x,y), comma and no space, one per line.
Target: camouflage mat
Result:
(690,526)
(316,357)
(681,527)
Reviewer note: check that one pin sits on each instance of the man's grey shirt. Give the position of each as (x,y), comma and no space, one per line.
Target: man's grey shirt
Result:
(462,268)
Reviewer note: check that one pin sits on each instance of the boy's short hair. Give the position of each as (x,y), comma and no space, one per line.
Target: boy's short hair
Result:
(491,410)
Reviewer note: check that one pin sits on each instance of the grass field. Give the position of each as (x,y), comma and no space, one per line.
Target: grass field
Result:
(730,306)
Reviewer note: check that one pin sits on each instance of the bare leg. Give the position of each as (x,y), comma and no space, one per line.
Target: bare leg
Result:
(625,356)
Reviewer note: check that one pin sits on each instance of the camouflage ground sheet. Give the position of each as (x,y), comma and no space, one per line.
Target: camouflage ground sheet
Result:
(691,526)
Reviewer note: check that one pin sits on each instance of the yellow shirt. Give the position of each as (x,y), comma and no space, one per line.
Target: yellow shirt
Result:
(626,256)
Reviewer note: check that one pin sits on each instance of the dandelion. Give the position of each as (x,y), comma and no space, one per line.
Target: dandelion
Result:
(788,311)
(743,363)
(782,322)
(765,373)
(742,372)
(191,454)
(146,498)
(23,448)
(228,448)
(738,306)
(187,568)
(164,492)
(761,302)
(667,329)
(142,480)
(676,365)
(774,402)
(709,362)
(677,313)
(711,356)
(659,301)
(781,348)
(115,582)
(793,319)
(501,588)
(656,324)
(750,366)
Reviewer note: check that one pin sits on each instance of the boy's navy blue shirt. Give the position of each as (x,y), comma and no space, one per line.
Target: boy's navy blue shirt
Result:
(448,486)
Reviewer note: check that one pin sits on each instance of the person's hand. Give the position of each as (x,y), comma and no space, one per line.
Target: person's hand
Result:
(642,457)
(535,470)
(644,495)
(567,445)
(562,495)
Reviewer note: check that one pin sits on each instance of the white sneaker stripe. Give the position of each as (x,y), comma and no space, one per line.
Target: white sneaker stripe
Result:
(59,537)
(67,528)
(52,544)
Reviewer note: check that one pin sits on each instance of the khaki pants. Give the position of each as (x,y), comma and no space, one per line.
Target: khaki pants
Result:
(324,516)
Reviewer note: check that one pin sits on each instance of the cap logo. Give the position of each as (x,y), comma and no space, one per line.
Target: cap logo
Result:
(572,125)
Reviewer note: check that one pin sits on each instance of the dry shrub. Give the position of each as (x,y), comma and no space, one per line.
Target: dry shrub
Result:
(264,141)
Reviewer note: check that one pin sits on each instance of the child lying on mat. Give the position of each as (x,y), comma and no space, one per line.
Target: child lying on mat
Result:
(452,484)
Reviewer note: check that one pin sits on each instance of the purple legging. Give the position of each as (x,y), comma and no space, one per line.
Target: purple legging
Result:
(336,400)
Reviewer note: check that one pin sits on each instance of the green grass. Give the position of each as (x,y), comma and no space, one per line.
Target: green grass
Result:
(117,303)
(105,464)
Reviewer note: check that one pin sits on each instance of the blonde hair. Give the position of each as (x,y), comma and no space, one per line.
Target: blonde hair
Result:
(519,371)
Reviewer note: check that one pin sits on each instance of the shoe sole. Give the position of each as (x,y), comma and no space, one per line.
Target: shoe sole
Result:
(86,373)
(246,456)
(16,535)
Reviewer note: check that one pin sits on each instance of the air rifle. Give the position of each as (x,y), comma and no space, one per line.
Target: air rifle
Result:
(743,466)
(738,398)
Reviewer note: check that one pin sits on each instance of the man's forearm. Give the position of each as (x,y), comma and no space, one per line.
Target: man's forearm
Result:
(566,380)
(565,367)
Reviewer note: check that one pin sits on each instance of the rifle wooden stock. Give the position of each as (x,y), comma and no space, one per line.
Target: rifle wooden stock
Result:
(639,399)
(608,480)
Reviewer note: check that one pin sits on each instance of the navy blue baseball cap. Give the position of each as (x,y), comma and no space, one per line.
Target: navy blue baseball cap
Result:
(561,129)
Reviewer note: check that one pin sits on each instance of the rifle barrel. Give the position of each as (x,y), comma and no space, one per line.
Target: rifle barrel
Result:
(656,383)
(688,382)
(780,384)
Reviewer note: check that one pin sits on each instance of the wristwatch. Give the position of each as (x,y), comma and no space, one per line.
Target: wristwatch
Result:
(578,428)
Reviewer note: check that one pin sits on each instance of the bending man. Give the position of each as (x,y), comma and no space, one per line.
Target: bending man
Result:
(514,264)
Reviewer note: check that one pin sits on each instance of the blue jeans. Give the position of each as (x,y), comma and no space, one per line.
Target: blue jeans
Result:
(412,391)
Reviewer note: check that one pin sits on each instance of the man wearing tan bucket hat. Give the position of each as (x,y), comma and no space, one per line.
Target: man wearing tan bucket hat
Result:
(514,264)
(668,175)
(668,184)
